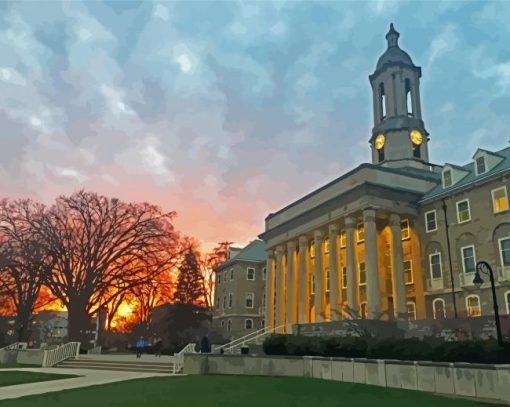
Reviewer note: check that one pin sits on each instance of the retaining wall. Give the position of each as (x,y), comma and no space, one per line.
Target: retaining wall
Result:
(488,382)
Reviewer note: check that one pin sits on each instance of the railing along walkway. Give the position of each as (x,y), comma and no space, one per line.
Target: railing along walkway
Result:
(55,356)
(179,357)
(250,338)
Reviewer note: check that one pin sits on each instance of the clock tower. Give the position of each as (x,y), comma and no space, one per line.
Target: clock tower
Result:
(399,138)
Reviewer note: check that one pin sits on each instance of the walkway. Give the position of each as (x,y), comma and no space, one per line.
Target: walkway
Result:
(87,378)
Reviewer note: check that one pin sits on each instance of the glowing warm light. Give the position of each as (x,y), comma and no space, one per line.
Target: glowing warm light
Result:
(124,310)
(416,137)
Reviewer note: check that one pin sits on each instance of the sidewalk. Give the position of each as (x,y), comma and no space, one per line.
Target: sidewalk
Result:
(87,378)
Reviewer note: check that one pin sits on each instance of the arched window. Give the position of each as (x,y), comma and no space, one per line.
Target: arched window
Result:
(507,300)
(363,310)
(382,102)
(473,306)
(439,308)
(409,101)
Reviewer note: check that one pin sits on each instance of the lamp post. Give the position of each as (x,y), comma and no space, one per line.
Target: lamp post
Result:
(485,268)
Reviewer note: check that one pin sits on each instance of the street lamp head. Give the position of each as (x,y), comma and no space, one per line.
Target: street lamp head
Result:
(477,281)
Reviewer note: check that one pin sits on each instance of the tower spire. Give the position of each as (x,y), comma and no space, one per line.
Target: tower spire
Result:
(392,37)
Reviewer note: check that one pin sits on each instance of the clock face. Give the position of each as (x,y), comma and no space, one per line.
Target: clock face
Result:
(416,137)
(379,142)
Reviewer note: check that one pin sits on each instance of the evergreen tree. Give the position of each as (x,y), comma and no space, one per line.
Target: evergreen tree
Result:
(190,288)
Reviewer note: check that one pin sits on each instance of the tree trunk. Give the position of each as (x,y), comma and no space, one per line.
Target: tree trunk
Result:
(23,323)
(80,327)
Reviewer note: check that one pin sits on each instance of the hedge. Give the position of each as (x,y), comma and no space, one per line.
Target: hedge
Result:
(428,349)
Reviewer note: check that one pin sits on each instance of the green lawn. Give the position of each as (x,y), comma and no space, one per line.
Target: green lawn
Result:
(237,391)
(15,365)
(18,377)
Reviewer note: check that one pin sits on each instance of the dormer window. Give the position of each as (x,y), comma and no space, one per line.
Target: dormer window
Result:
(447,178)
(480,165)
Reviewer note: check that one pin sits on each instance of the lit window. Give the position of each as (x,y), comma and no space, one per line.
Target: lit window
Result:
(312,249)
(264,272)
(468,259)
(229,325)
(361,232)
(230,300)
(473,306)
(439,308)
(231,274)
(312,284)
(344,277)
(463,212)
(408,272)
(362,273)
(504,248)
(480,165)
(447,178)
(411,310)
(327,280)
(326,245)
(430,221)
(248,323)
(363,310)
(250,273)
(404,229)
(343,238)
(435,266)
(249,300)
(499,200)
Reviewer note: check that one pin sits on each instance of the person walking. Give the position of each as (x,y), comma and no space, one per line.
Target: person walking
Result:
(140,344)
(204,345)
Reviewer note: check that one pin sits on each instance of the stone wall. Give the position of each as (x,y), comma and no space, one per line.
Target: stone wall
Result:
(30,357)
(489,382)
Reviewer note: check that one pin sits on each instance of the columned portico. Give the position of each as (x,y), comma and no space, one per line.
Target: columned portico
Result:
(269,317)
(397,267)
(352,280)
(371,263)
(290,285)
(280,288)
(319,277)
(333,272)
(303,286)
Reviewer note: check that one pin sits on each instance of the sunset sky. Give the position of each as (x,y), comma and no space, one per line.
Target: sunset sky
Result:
(226,111)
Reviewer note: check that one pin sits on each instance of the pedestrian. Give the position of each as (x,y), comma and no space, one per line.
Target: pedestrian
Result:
(157,347)
(204,345)
(140,344)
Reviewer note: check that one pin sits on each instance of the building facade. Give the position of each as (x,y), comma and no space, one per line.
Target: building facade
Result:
(240,292)
(375,242)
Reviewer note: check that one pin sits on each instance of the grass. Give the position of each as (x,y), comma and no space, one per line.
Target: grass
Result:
(235,391)
(15,365)
(20,377)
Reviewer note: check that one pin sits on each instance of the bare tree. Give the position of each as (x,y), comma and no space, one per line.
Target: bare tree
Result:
(100,245)
(212,260)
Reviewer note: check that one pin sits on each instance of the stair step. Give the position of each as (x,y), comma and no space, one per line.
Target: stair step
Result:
(120,362)
(116,368)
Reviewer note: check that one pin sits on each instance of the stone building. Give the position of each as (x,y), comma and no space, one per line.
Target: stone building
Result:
(373,243)
(240,292)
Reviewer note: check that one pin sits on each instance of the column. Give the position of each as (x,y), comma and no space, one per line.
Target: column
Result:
(350,264)
(270,290)
(397,269)
(280,288)
(371,263)
(304,292)
(290,284)
(319,277)
(335,312)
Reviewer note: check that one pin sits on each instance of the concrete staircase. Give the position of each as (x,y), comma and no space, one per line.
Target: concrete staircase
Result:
(135,365)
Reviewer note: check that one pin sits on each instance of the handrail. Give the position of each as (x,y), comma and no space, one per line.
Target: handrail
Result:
(16,346)
(179,357)
(63,352)
(248,338)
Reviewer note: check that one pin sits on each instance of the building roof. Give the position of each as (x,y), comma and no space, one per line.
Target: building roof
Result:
(394,54)
(253,252)
(471,177)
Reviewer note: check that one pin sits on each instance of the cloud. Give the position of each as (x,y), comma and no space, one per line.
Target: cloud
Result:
(442,43)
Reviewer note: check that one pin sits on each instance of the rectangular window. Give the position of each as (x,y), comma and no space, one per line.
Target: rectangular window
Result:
(473,306)
(264,302)
(430,221)
(504,247)
(224,301)
(404,229)
(231,274)
(343,238)
(362,273)
(218,302)
(219,278)
(408,271)
(264,272)
(248,323)
(463,212)
(411,310)
(468,259)
(499,199)
(361,232)
(344,277)
(249,300)
(250,273)
(435,266)
(480,165)
(326,245)
(230,300)
(327,281)
(312,284)
(447,178)
(312,249)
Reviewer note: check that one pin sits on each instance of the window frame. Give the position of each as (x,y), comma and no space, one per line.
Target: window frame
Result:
(218,279)
(359,273)
(248,273)
(479,305)
(449,171)
(434,310)
(440,266)
(361,304)
(471,246)
(312,249)
(494,202)
(230,300)
(468,210)
(264,273)
(246,320)
(312,284)
(344,279)
(484,165)
(507,294)
(252,300)
(326,245)
(500,247)
(327,276)
(224,301)
(408,229)
(231,274)
(411,271)
(343,239)
(358,227)
(427,230)
(414,309)
(229,325)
